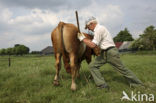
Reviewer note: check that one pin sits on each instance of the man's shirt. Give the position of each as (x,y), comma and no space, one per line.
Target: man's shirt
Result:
(102,37)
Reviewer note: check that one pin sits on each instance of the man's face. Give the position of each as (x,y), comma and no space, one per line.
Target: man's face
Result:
(91,27)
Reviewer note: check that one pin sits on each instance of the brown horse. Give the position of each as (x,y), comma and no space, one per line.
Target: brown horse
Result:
(66,44)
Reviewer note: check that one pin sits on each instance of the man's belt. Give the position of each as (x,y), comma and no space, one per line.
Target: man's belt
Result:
(108,48)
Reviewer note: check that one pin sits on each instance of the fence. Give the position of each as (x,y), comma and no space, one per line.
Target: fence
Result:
(6,59)
(9,59)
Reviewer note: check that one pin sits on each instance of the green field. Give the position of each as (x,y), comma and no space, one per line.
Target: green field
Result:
(29,80)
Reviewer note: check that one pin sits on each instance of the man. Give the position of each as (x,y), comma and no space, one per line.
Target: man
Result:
(109,54)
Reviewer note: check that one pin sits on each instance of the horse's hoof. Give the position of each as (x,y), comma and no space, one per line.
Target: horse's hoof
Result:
(73,87)
(56,82)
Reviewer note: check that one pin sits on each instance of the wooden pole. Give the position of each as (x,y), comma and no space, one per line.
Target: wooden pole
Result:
(77,19)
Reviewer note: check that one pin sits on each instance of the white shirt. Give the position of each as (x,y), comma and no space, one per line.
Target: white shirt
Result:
(102,37)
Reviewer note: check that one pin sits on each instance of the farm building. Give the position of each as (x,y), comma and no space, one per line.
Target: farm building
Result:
(123,46)
(47,50)
(118,44)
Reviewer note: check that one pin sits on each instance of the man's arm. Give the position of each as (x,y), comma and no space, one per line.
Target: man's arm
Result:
(89,43)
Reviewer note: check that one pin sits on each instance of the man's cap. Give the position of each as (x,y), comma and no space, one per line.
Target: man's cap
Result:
(89,20)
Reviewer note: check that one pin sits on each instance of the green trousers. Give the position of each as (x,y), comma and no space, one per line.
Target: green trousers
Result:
(112,57)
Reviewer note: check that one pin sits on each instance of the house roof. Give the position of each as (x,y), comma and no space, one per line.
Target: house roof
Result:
(48,49)
(118,44)
(125,45)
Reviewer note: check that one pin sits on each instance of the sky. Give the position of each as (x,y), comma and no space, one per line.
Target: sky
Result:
(30,22)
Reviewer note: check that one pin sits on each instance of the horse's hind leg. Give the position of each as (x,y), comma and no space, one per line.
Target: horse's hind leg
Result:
(66,61)
(74,68)
(58,67)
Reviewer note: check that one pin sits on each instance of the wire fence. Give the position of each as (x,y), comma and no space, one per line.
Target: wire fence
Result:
(9,59)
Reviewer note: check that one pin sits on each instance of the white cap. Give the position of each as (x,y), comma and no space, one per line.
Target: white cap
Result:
(89,20)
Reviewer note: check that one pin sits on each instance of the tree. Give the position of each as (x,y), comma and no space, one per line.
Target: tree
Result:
(16,45)
(2,51)
(123,35)
(150,37)
(138,44)
(16,50)
(21,49)
(147,40)
(9,51)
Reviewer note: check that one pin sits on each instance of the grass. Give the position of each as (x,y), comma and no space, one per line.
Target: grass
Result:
(29,80)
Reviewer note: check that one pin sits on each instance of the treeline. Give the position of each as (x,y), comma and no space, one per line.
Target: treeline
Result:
(146,41)
(18,49)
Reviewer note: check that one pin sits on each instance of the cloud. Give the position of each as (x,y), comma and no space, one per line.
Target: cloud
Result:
(54,5)
(28,29)
(5,15)
(110,16)
(35,27)
(36,23)
(30,22)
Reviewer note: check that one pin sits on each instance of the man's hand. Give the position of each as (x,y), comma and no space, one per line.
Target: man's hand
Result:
(80,36)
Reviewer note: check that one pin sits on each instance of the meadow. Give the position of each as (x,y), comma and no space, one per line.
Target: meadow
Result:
(29,79)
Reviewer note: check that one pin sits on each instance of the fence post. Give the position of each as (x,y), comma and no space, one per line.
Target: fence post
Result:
(9,61)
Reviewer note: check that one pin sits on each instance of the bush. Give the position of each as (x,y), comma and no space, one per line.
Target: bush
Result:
(16,50)
(21,49)
(2,51)
(146,41)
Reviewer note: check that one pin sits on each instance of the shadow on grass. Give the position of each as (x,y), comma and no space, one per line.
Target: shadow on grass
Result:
(85,78)
(109,76)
